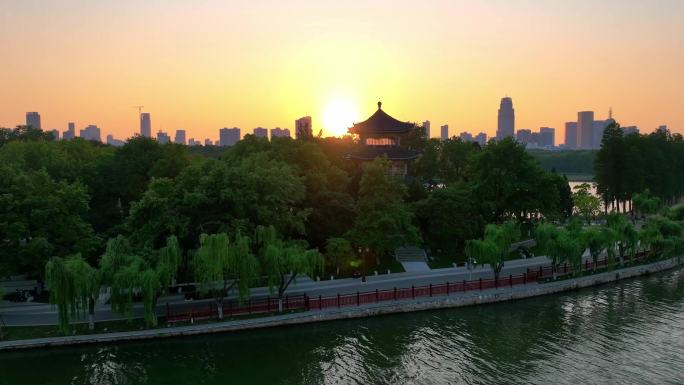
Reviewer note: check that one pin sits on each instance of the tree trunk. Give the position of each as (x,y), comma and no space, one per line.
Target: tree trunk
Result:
(219,308)
(280,304)
(91,314)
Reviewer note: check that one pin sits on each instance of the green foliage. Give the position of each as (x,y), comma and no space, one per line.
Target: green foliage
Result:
(219,261)
(566,162)
(645,204)
(340,256)
(448,217)
(587,205)
(383,221)
(663,236)
(282,261)
(495,245)
(560,244)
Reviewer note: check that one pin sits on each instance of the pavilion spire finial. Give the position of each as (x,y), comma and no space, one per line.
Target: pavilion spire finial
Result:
(379,105)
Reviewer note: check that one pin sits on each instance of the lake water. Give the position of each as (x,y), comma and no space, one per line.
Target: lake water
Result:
(631,332)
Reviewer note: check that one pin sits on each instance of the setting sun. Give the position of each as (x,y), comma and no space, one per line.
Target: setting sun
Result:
(338,116)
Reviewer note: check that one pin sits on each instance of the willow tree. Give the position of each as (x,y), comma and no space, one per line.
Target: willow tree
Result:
(597,240)
(495,246)
(220,266)
(129,274)
(559,244)
(60,283)
(86,283)
(625,235)
(282,261)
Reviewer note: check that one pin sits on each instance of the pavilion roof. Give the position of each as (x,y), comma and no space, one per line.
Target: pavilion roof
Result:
(380,123)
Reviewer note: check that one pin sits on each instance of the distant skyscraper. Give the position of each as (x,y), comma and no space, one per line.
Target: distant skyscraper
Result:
(207,142)
(193,142)
(70,133)
(261,132)
(55,134)
(33,120)
(630,130)
(303,128)
(145,125)
(426,127)
(229,136)
(481,138)
(585,130)
(180,137)
(662,128)
(444,132)
(524,135)
(91,132)
(114,142)
(280,133)
(599,127)
(506,128)
(547,137)
(571,135)
(466,136)
(163,137)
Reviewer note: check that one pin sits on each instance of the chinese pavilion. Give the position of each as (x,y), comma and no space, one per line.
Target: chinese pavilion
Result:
(380,135)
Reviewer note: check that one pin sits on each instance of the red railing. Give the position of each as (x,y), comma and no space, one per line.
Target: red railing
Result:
(304,302)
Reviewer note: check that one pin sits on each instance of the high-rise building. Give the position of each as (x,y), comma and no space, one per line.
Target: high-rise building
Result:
(481,139)
(261,132)
(193,142)
(599,127)
(180,137)
(207,142)
(426,127)
(303,128)
(444,132)
(91,132)
(547,137)
(229,136)
(280,132)
(163,137)
(628,130)
(466,136)
(571,135)
(55,134)
(114,142)
(506,127)
(33,120)
(585,130)
(70,133)
(524,135)
(662,128)
(145,125)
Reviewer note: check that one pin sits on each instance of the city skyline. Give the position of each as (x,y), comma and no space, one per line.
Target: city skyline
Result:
(201,74)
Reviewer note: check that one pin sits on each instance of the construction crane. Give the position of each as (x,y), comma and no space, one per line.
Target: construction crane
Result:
(139,109)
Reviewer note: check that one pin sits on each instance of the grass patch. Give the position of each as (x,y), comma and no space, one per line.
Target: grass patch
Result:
(390,264)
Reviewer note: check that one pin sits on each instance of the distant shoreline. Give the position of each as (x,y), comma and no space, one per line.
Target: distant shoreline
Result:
(572,177)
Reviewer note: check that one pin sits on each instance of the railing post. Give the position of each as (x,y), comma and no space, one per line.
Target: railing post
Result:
(376,295)
(464,286)
(565,268)
(338,300)
(167,310)
(249,306)
(413,293)
(525,278)
(430,290)
(268,304)
(447,283)
(287,302)
(320,302)
(395,293)
(480,283)
(358,302)
(306,302)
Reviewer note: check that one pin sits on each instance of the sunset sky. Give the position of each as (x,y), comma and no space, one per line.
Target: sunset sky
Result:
(201,65)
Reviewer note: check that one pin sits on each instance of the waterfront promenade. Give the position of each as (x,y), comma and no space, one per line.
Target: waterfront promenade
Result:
(466,298)
(34,314)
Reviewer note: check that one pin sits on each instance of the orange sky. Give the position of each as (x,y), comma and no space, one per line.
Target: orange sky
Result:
(202,65)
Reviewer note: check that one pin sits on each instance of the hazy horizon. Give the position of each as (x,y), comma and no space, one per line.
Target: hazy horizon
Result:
(204,65)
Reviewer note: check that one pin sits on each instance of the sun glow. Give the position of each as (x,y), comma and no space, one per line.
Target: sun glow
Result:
(338,116)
